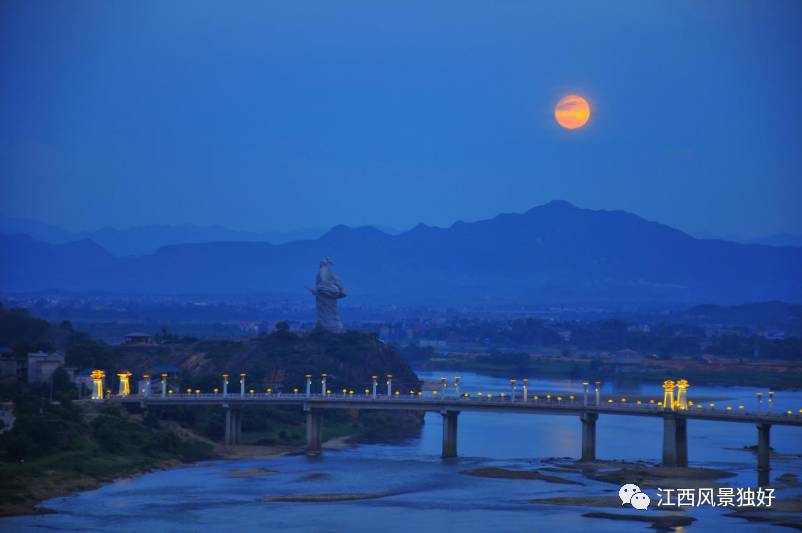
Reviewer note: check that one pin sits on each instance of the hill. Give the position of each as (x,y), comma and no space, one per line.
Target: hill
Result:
(140,240)
(552,253)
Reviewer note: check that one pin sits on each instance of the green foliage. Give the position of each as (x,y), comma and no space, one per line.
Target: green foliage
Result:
(92,354)
(282,328)
(41,430)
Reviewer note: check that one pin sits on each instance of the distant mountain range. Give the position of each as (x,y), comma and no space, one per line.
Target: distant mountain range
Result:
(552,253)
(143,240)
(780,239)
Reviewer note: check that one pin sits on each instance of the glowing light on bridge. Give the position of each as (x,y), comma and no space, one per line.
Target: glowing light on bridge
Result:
(682,395)
(97,384)
(125,386)
(668,394)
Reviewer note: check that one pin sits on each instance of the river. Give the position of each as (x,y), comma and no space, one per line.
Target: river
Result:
(424,492)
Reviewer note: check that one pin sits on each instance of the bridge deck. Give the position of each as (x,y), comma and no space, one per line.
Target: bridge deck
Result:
(417,403)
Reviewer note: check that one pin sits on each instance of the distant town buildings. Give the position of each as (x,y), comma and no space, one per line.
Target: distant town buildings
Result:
(626,357)
(138,339)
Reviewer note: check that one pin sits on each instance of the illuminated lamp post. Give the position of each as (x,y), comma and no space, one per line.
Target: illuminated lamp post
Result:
(97,384)
(585,386)
(598,393)
(374,386)
(759,401)
(526,389)
(444,385)
(457,380)
(682,395)
(164,384)
(323,384)
(389,385)
(308,385)
(146,377)
(513,388)
(668,394)
(771,400)
(225,385)
(242,384)
(125,386)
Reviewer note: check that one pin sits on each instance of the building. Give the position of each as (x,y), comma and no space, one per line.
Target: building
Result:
(138,338)
(41,366)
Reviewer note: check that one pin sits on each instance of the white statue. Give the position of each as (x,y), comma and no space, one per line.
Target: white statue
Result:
(328,289)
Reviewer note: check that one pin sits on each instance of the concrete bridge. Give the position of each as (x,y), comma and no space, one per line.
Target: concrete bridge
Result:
(587,408)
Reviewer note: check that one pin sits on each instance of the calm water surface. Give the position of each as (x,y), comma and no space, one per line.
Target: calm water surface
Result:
(427,494)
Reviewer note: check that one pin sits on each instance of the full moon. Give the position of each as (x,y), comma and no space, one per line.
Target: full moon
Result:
(572,112)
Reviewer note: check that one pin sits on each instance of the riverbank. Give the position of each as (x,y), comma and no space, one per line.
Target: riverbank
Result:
(698,375)
(38,481)
(61,449)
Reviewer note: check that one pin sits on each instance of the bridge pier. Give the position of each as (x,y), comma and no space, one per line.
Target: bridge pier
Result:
(675,440)
(233,426)
(314,430)
(449,434)
(763,453)
(588,436)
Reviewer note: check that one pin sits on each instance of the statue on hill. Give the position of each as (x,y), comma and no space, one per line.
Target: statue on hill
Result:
(328,289)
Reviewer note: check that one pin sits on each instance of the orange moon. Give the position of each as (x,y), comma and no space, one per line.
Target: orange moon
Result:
(572,112)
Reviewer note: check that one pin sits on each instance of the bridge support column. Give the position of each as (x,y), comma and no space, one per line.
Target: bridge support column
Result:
(233,426)
(449,434)
(589,436)
(228,439)
(763,453)
(237,426)
(314,431)
(675,440)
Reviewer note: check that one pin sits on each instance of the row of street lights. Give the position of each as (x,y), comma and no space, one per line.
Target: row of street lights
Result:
(680,402)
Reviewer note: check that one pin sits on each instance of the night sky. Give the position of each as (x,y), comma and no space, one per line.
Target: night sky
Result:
(282,115)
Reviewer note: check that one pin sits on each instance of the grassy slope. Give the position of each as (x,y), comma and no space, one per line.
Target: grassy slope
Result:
(91,448)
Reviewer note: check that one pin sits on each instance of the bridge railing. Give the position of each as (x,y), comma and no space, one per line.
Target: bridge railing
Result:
(553,401)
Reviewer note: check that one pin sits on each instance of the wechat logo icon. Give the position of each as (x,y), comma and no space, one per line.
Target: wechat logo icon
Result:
(631,494)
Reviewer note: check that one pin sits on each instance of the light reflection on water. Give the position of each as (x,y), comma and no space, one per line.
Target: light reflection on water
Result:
(425,493)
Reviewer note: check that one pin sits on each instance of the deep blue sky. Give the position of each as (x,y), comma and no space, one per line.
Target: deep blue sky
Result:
(279,115)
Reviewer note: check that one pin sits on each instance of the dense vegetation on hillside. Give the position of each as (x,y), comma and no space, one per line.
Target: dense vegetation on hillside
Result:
(59,444)
(59,447)
(23,333)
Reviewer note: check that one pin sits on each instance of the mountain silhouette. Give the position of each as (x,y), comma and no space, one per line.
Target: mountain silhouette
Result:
(552,253)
